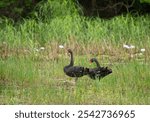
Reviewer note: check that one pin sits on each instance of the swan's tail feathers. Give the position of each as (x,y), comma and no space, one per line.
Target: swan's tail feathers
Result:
(99,72)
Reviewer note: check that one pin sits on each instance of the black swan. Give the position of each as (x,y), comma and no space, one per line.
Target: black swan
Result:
(98,72)
(74,71)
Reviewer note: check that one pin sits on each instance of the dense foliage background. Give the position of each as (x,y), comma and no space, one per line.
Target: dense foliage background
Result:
(17,9)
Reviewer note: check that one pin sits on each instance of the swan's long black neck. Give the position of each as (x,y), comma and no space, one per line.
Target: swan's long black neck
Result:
(97,63)
(71,60)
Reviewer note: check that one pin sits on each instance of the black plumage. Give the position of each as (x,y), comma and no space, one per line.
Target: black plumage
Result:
(98,72)
(74,71)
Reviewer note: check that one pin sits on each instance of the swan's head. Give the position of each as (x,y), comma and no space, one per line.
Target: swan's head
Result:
(69,51)
(93,60)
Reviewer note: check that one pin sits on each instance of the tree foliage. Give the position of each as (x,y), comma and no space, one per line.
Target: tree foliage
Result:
(17,9)
(110,8)
(145,1)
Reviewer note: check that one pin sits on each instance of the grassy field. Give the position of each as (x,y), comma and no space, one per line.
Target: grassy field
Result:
(39,79)
(31,62)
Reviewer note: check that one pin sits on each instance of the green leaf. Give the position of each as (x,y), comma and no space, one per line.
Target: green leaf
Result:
(145,1)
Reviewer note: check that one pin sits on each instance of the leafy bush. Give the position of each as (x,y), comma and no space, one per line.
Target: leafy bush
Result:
(16,9)
(145,1)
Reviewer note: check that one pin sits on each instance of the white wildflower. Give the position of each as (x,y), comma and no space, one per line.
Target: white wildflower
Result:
(132,56)
(61,46)
(126,46)
(132,46)
(4,43)
(142,50)
(42,48)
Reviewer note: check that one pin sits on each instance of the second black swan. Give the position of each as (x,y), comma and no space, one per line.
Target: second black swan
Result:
(98,72)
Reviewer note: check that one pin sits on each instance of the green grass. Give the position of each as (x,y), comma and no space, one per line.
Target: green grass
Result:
(42,82)
(30,75)
(122,29)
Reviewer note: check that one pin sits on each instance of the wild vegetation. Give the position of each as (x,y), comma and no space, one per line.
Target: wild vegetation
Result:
(31,62)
